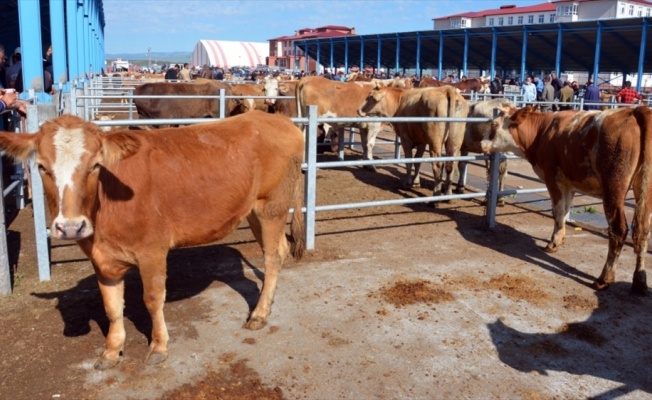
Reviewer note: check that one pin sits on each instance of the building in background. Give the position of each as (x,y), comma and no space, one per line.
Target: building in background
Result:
(281,49)
(548,12)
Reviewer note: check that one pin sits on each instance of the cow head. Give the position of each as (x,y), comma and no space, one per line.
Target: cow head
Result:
(69,153)
(271,89)
(503,129)
(372,105)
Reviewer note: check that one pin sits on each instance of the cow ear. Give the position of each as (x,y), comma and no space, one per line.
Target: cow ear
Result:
(119,145)
(18,146)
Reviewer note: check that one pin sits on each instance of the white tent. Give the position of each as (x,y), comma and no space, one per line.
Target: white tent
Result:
(226,54)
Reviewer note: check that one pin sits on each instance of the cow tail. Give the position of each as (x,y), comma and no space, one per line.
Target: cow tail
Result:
(643,116)
(452,107)
(297,226)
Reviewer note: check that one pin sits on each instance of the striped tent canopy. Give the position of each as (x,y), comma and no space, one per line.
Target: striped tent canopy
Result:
(227,54)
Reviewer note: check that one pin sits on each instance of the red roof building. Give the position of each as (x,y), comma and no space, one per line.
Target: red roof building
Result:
(548,12)
(281,49)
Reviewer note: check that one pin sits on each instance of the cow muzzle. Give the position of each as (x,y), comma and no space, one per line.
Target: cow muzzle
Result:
(71,228)
(486,146)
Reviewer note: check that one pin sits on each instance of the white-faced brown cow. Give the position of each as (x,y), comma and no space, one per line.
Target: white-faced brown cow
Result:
(275,87)
(429,102)
(477,85)
(246,104)
(338,99)
(127,198)
(600,153)
(476,132)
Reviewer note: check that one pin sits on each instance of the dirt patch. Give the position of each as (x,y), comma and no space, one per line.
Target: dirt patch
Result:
(404,293)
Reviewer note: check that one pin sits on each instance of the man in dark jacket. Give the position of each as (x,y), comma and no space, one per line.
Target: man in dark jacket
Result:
(496,86)
(591,95)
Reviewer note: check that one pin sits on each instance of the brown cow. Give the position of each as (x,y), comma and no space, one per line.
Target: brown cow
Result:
(477,85)
(274,87)
(128,198)
(600,153)
(403,83)
(157,108)
(476,132)
(338,99)
(245,104)
(430,102)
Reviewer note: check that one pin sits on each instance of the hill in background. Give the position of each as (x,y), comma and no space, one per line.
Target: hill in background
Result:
(157,57)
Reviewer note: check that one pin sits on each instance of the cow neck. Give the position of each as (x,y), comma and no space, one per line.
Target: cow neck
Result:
(395,100)
(530,133)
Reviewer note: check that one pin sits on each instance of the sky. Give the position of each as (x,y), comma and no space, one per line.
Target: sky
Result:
(134,26)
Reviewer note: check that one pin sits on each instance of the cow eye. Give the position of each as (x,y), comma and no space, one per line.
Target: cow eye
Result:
(96,167)
(42,169)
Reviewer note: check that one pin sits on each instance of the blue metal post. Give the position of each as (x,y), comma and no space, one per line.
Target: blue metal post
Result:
(524,54)
(441,55)
(361,53)
(59,51)
(29,16)
(346,55)
(465,60)
(398,51)
(332,63)
(378,57)
(319,72)
(494,45)
(81,57)
(596,59)
(71,33)
(418,61)
(305,57)
(560,39)
(641,55)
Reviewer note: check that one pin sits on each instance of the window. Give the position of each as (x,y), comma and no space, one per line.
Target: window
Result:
(530,19)
(491,21)
(541,18)
(622,9)
(510,20)
(631,10)
(500,21)
(640,11)
(647,13)
(520,20)
(552,18)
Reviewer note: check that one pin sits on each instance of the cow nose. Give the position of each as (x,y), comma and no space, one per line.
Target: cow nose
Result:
(270,101)
(361,113)
(71,229)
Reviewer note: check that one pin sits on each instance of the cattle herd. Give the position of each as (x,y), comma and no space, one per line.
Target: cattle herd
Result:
(123,195)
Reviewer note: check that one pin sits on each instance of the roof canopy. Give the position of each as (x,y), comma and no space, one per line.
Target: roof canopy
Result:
(225,54)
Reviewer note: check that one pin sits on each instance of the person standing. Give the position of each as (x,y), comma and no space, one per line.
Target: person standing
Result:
(496,87)
(539,84)
(548,95)
(565,96)
(627,94)
(529,91)
(184,73)
(591,95)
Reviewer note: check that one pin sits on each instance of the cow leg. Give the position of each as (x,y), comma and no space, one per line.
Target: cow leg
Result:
(368,139)
(561,203)
(617,233)
(269,231)
(416,180)
(406,144)
(640,236)
(462,174)
(112,291)
(153,275)
(435,151)
(502,171)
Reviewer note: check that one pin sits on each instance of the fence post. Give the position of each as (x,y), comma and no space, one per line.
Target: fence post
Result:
(222,104)
(5,271)
(40,228)
(492,190)
(311,177)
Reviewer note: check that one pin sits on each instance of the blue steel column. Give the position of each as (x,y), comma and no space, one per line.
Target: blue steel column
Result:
(398,51)
(560,38)
(418,61)
(494,44)
(71,33)
(29,17)
(306,57)
(332,64)
(524,54)
(441,55)
(596,59)
(318,58)
(59,51)
(81,57)
(466,52)
(641,55)
(346,55)
(378,56)
(361,53)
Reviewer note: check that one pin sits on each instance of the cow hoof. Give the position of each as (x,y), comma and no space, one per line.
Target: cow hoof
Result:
(458,190)
(501,203)
(639,285)
(154,358)
(255,324)
(551,249)
(371,168)
(599,284)
(104,364)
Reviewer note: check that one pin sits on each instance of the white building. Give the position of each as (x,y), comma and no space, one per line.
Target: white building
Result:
(548,12)
(227,54)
